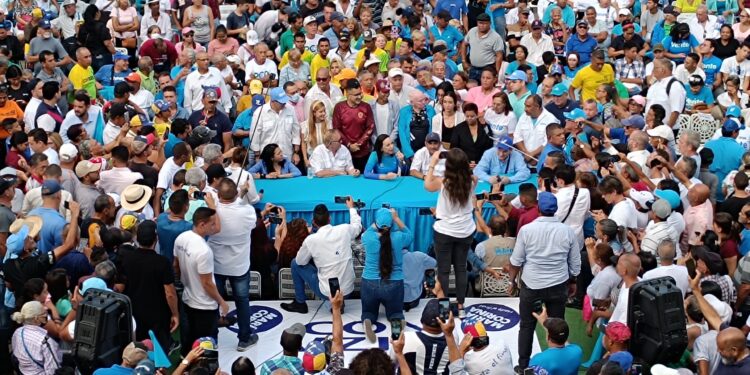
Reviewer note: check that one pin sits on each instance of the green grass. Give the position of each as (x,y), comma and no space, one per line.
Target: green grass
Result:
(578,335)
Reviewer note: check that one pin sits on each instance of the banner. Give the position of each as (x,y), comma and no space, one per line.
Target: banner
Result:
(499,315)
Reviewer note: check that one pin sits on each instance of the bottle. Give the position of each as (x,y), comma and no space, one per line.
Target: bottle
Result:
(309,173)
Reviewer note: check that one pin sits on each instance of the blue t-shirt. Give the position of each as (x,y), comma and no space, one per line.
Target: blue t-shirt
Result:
(450,35)
(618,136)
(568,15)
(513,66)
(387,164)
(711,66)
(114,370)
(745,242)
(171,142)
(106,77)
(167,232)
(50,236)
(400,239)
(457,8)
(499,12)
(678,47)
(559,361)
(180,86)
(703,96)
(548,148)
(583,48)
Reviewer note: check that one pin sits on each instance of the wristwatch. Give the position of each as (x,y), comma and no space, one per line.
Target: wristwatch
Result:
(185,362)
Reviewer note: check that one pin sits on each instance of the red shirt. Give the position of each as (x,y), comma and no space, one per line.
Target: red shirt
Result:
(12,158)
(148,48)
(524,215)
(356,126)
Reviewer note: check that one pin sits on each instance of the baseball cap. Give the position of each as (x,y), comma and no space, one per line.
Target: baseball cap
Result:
(658,47)
(518,75)
(139,144)
(256,87)
(133,77)
(504,143)
(639,99)
(69,2)
(50,187)
(45,24)
(345,74)
(439,48)
(211,95)
(559,89)
(315,358)
(557,328)
(258,100)
(575,114)
(695,80)
(670,196)
(135,351)
(160,106)
(120,56)
(582,22)
(337,16)
(291,337)
(383,218)
(37,13)
(734,111)
(473,326)
(7,182)
(634,121)
(627,24)
(234,59)
(547,203)
(140,120)
(405,12)
(372,61)
(146,366)
(279,95)
(206,343)
(68,152)
(430,314)
(731,125)
(203,134)
(483,17)
(383,86)
(661,131)
(623,12)
(308,20)
(661,208)
(624,359)
(395,72)
(251,36)
(368,35)
(188,29)
(432,137)
(344,34)
(95,283)
(537,25)
(669,9)
(85,167)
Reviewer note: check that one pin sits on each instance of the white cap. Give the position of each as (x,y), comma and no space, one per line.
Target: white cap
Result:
(661,131)
(68,152)
(46,122)
(69,2)
(624,12)
(234,59)
(642,197)
(251,37)
(371,61)
(395,72)
(660,369)
(309,19)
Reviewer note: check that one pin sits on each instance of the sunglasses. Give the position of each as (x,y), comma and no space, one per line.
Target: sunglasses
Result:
(322,79)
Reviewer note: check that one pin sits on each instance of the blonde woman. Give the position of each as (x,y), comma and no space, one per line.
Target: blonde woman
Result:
(317,125)
(380,41)
(336,65)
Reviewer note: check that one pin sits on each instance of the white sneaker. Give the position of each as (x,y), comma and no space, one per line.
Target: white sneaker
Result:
(368,331)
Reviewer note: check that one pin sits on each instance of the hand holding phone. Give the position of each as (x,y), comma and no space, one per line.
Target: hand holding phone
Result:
(444,308)
(333,285)
(396,328)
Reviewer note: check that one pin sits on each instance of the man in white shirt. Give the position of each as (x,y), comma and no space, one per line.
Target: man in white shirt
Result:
(180,155)
(38,144)
(537,43)
(276,123)
(703,25)
(331,250)
(205,76)
(667,252)
(115,180)
(421,162)
(155,16)
(658,229)
(194,265)
(573,204)
(637,143)
(737,66)
(399,91)
(628,266)
(667,91)
(231,248)
(530,135)
(324,91)
(140,96)
(262,68)
(330,159)
(623,211)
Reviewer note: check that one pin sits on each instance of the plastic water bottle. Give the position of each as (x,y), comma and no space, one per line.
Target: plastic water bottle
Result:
(309,173)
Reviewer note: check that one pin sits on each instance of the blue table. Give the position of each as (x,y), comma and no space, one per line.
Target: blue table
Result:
(300,195)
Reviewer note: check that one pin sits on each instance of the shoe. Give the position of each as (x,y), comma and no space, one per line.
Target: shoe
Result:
(518,370)
(227,321)
(461,313)
(574,303)
(368,331)
(244,345)
(294,306)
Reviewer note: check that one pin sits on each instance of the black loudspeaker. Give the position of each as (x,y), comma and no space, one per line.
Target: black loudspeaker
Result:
(104,327)
(656,317)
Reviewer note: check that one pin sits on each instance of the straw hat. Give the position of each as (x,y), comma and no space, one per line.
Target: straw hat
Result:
(34,223)
(135,197)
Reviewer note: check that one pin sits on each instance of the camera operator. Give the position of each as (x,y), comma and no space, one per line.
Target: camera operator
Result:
(330,249)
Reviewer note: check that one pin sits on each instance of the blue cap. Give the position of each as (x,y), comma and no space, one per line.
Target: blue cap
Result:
(734,111)
(279,95)
(559,89)
(670,196)
(504,143)
(50,187)
(120,56)
(556,69)
(6,25)
(145,367)
(518,75)
(547,203)
(383,218)
(731,124)
(258,100)
(45,24)
(15,241)
(575,114)
(93,283)
(634,121)
(623,358)
(160,106)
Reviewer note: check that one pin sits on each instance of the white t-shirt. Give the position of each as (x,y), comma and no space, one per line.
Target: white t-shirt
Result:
(731,67)
(231,246)
(677,272)
(382,117)
(166,173)
(255,70)
(312,44)
(624,214)
(52,156)
(500,123)
(495,359)
(620,313)
(725,101)
(603,284)
(196,259)
(455,221)
(421,162)
(110,132)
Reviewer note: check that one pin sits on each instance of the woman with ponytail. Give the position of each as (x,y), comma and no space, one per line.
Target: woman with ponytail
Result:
(383,276)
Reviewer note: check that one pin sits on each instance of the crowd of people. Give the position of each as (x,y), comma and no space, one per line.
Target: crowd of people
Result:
(135,131)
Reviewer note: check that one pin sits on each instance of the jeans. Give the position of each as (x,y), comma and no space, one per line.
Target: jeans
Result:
(307,274)
(554,298)
(475,73)
(388,292)
(500,26)
(241,294)
(451,250)
(202,323)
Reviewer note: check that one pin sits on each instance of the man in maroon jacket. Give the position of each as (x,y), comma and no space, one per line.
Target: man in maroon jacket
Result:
(355,121)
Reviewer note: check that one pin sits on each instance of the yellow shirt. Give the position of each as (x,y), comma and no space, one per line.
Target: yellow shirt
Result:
(83,79)
(589,80)
(317,63)
(306,57)
(686,7)
(161,126)
(379,53)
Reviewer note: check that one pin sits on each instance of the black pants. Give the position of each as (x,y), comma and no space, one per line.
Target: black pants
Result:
(554,298)
(452,251)
(160,326)
(359,163)
(585,277)
(201,323)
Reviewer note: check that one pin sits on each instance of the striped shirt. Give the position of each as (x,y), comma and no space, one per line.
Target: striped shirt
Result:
(32,353)
(425,353)
(293,364)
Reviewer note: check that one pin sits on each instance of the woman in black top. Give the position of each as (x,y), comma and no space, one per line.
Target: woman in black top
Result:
(727,45)
(95,36)
(471,136)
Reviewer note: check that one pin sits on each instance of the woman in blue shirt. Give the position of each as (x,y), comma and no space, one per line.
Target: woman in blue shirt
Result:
(273,164)
(384,160)
(679,43)
(383,276)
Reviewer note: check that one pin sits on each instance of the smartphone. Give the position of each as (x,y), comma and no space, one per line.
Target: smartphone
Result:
(396,329)
(429,278)
(502,188)
(387,205)
(454,307)
(276,210)
(199,195)
(209,360)
(496,196)
(273,219)
(424,211)
(479,196)
(443,155)
(538,306)
(166,135)
(444,308)
(66,204)
(340,199)
(548,184)
(333,285)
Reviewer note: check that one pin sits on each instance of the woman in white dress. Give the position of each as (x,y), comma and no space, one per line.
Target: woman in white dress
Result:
(317,125)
